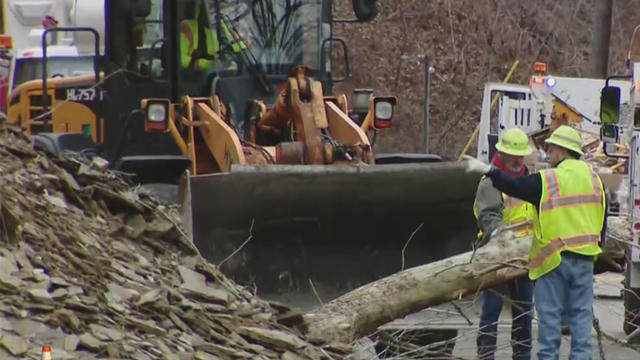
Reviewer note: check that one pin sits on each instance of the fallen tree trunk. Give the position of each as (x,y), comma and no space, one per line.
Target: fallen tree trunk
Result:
(361,311)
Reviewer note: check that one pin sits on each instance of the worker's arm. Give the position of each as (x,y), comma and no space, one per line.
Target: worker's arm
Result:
(489,209)
(527,188)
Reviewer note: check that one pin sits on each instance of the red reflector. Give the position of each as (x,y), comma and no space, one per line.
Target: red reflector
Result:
(636,226)
(636,202)
(540,67)
(382,124)
(6,42)
(156,126)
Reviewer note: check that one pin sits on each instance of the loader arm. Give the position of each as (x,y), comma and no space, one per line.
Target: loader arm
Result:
(323,133)
(206,139)
(222,141)
(342,128)
(309,117)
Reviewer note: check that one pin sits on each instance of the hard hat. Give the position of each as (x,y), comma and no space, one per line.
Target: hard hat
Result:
(566,137)
(514,142)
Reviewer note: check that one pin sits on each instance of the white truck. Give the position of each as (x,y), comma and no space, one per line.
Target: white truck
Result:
(69,53)
(548,101)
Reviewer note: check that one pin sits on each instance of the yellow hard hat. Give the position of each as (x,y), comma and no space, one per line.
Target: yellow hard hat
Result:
(566,137)
(514,142)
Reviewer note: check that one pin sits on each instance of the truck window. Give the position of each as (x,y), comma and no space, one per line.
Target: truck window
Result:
(27,69)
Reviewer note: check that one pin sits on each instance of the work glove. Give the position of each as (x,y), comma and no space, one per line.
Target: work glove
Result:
(491,238)
(476,166)
(480,242)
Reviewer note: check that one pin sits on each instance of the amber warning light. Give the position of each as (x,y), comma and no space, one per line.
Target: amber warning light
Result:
(539,68)
(6,42)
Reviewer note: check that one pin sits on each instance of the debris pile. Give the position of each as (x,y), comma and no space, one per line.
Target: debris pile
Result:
(95,270)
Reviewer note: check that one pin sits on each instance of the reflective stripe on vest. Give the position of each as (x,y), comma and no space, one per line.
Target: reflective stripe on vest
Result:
(559,243)
(557,200)
(570,218)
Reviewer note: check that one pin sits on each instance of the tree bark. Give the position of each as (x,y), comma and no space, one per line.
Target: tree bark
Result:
(361,311)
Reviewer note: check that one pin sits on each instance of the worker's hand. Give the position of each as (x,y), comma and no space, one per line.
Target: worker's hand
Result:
(477,166)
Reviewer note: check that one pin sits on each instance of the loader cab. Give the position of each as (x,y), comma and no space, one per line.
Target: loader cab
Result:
(137,66)
(256,46)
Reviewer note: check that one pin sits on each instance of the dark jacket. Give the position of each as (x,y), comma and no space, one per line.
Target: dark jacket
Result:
(529,189)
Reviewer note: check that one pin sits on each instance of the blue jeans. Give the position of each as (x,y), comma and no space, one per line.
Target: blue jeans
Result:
(568,290)
(520,294)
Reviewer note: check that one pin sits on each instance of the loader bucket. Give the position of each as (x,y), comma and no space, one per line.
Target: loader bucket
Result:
(304,232)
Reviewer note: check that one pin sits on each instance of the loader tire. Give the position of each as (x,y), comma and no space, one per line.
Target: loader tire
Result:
(631,300)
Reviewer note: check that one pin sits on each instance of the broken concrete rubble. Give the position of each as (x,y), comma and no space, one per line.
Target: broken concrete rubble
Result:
(97,270)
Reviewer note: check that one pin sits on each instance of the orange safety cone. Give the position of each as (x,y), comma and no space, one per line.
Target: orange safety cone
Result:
(46,353)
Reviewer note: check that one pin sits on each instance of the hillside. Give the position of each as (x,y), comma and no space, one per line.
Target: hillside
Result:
(470,42)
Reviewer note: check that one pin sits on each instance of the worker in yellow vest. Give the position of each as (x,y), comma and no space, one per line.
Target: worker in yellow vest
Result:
(568,229)
(199,44)
(493,210)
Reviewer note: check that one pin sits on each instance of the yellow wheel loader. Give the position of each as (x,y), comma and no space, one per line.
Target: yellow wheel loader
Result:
(284,189)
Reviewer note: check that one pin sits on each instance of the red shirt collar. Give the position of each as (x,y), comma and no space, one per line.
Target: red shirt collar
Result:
(501,166)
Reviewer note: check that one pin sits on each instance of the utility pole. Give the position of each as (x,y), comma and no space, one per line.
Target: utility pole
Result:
(426,130)
(601,38)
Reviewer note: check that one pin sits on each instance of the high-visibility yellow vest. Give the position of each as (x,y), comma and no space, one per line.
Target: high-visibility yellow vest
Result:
(516,213)
(189,41)
(570,216)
